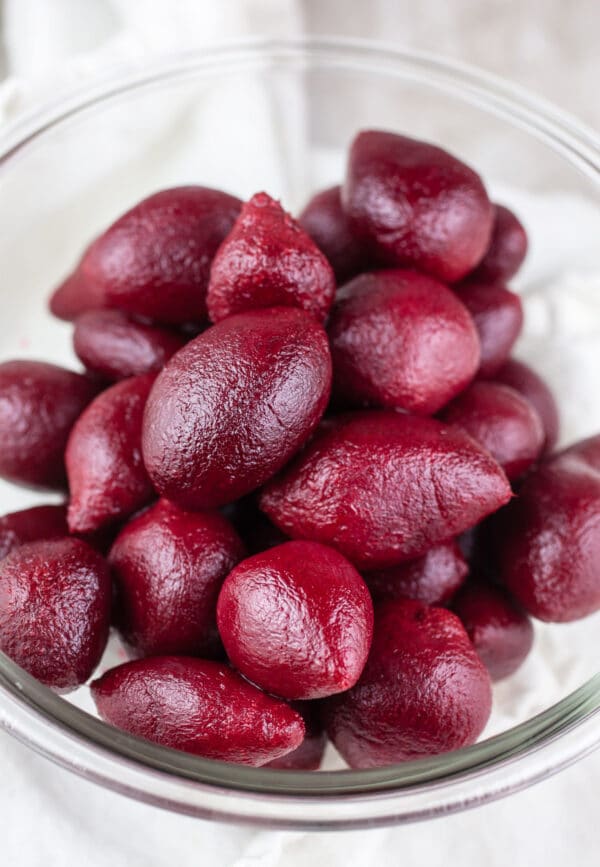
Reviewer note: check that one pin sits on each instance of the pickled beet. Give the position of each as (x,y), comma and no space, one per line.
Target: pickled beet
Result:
(107,478)
(39,404)
(326,223)
(168,567)
(414,204)
(424,690)
(234,405)
(115,347)
(268,260)
(401,340)
(548,540)
(503,421)
(309,755)
(297,620)
(199,707)
(32,525)
(498,316)
(527,382)
(384,487)
(153,261)
(507,249)
(500,630)
(432,578)
(55,598)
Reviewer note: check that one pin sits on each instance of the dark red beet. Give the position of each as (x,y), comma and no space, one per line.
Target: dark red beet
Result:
(268,260)
(498,316)
(234,405)
(401,340)
(498,627)
(115,347)
(416,205)
(54,610)
(432,578)
(168,567)
(548,541)
(255,529)
(199,707)
(153,261)
(309,755)
(527,382)
(107,478)
(32,525)
(326,223)
(39,404)
(503,421)
(507,249)
(383,487)
(424,690)
(297,620)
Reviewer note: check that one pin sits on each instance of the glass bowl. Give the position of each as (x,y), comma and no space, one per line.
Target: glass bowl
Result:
(278,115)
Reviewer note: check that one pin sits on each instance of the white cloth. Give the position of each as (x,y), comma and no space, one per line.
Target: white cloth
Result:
(54,818)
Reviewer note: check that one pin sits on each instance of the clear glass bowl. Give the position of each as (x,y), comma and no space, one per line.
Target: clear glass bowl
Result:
(278,115)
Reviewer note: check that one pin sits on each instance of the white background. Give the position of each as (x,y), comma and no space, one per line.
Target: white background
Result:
(50,817)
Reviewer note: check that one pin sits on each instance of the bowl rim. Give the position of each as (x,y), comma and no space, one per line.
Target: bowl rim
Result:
(414,790)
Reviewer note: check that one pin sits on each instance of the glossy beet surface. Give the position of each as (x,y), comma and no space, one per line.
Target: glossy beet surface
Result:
(432,578)
(110,344)
(383,487)
(507,249)
(416,205)
(500,630)
(39,404)
(401,340)
(308,756)
(107,478)
(526,381)
(424,690)
(32,525)
(168,567)
(199,707)
(498,316)
(268,260)
(235,404)
(55,600)
(548,540)
(503,421)
(297,620)
(326,223)
(153,261)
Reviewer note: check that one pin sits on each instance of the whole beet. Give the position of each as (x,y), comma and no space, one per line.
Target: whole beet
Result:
(32,525)
(168,567)
(39,404)
(309,755)
(199,707)
(268,260)
(115,347)
(432,578)
(503,421)
(154,260)
(414,204)
(500,630)
(507,249)
(527,382)
(324,220)
(297,620)
(402,340)
(547,541)
(383,487)
(234,405)
(498,316)
(424,690)
(107,477)
(55,598)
